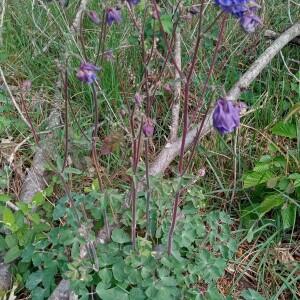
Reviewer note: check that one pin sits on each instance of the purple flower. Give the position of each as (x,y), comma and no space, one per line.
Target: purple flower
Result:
(235,7)
(113,15)
(250,21)
(94,17)
(226,116)
(87,73)
(133,2)
(148,127)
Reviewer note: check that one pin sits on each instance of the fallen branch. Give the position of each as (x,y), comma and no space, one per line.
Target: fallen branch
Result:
(2,13)
(35,179)
(5,278)
(171,150)
(63,292)
(76,23)
(270,34)
(177,88)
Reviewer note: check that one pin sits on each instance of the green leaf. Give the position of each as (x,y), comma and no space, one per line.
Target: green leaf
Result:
(271,183)
(288,214)
(255,178)
(38,199)
(11,240)
(285,129)
(4,198)
(118,271)
(105,275)
(166,21)
(112,294)
(34,279)
(251,294)
(120,236)
(270,202)
(71,170)
(12,254)
(2,243)
(8,217)
(136,294)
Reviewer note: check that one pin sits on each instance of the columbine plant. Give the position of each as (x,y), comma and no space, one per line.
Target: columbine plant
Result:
(164,28)
(226,114)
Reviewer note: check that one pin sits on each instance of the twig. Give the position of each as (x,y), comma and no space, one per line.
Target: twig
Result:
(13,99)
(2,21)
(177,88)
(75,27)
(270,34)
(171,150)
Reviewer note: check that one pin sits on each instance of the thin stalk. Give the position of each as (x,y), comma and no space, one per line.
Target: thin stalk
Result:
(77,123)
(81,37)
(186,96)
(94,137)
(186,91)
(36,139)
(165,38)
(101,39)
(133,213)
(173,223)
(196,139)
(66,97)
(212,66)
(148,194)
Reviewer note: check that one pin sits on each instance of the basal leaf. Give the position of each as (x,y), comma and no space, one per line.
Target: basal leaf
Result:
(120,236)
(12,254)
(288,130)
(270,202)
(255,178)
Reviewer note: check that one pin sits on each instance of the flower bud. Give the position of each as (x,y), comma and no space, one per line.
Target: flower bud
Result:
(148,128)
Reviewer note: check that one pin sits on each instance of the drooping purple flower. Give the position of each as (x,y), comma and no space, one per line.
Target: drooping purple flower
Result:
(138,99)
(87,72)
(94,17)
(226,116)
(133,2)
(244,10)
(113,15)
(235,7)
(148,127)
(249,22)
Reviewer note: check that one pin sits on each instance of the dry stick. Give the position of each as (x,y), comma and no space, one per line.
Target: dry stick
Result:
(36,139)
(270,34)
(177,88)
(13,99)
(170,151)
(75,27)
(3,5)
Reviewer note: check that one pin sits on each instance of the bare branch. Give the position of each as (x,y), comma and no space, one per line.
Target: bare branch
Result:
(3,5)
(270,34)
(76,23)
(13,99)
(171,150)
(177,88)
